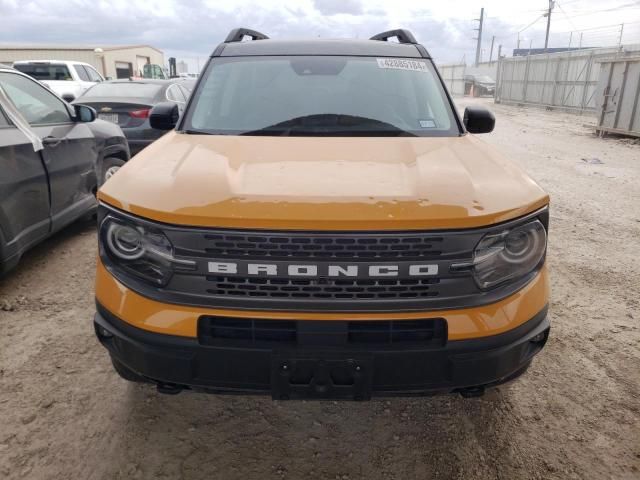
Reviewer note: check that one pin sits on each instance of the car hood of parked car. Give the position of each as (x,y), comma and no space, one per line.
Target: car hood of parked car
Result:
(323,183)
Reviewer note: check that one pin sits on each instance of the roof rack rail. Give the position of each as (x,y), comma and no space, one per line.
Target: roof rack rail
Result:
(403,36)
(238,34)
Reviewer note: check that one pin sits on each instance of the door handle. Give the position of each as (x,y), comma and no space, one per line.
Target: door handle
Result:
(51,141)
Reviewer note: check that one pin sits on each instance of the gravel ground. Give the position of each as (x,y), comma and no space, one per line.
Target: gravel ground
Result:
(575,415)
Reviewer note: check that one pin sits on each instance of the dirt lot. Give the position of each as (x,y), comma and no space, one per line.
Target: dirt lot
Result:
(576,415)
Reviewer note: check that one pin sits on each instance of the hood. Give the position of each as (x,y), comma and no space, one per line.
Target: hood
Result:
(328,183)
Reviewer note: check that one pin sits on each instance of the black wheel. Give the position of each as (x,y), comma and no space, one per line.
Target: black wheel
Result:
(126,373)
(110,165)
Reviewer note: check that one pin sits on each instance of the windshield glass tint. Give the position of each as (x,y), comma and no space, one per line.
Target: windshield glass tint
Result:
(124,89)
(45,72)
(321,95)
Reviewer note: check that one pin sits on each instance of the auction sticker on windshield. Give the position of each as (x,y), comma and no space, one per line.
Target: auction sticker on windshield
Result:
(402,64)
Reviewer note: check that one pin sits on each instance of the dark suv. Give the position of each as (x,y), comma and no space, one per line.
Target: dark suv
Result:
(53,158)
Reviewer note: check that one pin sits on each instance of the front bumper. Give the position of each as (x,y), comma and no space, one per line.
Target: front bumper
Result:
(466,366)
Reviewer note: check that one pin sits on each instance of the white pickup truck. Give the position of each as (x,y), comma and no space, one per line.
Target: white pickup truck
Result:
(68,79)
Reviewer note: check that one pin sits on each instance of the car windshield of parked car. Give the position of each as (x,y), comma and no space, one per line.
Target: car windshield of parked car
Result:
(124,90)
(484,79)
(321,95)
(47,71)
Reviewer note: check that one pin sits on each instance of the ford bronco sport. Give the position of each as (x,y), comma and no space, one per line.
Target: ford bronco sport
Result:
(321,224)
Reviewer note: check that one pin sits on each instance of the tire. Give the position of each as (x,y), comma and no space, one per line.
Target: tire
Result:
(110,165)
(126,373)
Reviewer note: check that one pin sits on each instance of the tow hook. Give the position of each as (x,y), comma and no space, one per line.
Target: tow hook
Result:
(169,388)
(472,392)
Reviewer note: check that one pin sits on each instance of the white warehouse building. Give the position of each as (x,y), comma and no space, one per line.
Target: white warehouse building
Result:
(112,61)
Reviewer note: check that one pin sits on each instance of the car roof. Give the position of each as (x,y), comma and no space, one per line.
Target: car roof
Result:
(152,81)
(65,62)
(379,45)
(350,47)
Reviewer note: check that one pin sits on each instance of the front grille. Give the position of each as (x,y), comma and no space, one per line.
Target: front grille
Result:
(288,288)
(230,331)
(361,292)
(309,246)
(321,271)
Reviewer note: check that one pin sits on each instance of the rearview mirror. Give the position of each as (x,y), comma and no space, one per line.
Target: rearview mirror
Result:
(478,120)
(164,116)
(84,114)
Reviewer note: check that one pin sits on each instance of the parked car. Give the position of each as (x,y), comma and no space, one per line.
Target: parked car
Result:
(68,79)
(321,223)
(127,103)
(53,157)
(479,85)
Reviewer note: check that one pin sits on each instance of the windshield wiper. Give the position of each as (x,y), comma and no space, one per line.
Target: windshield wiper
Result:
(329,124)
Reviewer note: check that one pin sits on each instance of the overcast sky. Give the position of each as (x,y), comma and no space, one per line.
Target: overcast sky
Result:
(191,28)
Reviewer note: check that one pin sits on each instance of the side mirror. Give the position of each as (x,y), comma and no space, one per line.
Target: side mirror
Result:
(478,120)
(164,116)
(68,97)
(84,114)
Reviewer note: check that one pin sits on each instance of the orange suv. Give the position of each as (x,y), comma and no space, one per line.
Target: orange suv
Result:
(320,223)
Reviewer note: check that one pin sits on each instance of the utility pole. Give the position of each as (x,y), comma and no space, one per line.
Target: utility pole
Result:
(621,32)
(479,38)
(493,39)
(548,15)
(499,51)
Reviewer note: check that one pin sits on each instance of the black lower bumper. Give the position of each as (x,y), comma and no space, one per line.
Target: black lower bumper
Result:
(467,366)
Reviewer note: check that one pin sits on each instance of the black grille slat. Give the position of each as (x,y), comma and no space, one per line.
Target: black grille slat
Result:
(328,288)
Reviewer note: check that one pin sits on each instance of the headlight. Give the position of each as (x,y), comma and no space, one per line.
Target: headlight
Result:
(510,254)
(137,250)
(125,241)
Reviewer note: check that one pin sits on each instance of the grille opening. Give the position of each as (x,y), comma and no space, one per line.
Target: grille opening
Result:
(322,288)
(430,331)
(232,331)
(327,247)
(213,329)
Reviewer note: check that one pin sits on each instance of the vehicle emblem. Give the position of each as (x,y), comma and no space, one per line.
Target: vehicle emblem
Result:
(105,109)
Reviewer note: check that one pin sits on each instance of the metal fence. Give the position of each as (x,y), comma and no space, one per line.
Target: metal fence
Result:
(618,98)
(453,76)
(566,80)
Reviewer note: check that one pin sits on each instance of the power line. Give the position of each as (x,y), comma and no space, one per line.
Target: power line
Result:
(531,24)
(565,15)
(613,9)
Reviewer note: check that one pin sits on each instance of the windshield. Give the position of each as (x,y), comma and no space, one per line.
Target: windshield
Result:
(484,79)
(320,95)
(45,71)
(124,90)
